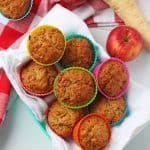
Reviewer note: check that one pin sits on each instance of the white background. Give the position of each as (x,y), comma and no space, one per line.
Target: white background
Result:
(19,131)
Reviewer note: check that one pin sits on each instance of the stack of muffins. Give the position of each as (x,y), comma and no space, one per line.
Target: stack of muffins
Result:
(87,103)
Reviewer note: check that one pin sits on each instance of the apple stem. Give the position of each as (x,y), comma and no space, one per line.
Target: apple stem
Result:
(125,36)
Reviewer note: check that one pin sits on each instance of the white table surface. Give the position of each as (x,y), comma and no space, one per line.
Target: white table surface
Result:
(19,132)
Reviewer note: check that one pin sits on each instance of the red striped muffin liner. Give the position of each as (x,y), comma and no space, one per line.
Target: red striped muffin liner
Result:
(27,89)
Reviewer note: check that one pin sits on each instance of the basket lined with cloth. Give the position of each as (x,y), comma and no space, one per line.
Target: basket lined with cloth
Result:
(138,96)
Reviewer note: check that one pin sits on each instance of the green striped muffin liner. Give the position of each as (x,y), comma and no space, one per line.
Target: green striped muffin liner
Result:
(88,101)
(94,48)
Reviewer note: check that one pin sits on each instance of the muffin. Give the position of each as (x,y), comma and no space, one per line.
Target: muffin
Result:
(62,119)
(79,52)
(36,79)
(112,78)
(15,9)
(46,45)
(75,87)
(92,132)
(113,110)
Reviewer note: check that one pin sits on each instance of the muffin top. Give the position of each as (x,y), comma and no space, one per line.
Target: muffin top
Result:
(62,119)
(113,110)
(78,53)
(14,9)
(38,79)
(94,133)
(46,44)
(112,78)
(74,87)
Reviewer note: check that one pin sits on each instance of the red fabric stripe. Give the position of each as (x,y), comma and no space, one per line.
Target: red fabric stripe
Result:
(8,37)
(98,4)
(4,84)
(90,21)
(3,105)
(1,121)
(22,25)
(72,4)
(35,6)
(69,4)
(117,19)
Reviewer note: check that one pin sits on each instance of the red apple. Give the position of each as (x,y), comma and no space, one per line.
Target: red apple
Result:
(124,42)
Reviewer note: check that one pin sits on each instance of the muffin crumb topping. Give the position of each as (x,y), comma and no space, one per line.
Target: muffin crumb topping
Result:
(112,78)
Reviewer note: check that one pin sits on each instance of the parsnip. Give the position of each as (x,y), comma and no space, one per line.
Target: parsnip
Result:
(131,14)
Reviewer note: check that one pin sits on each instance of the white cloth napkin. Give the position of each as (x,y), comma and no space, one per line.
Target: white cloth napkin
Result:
(138,96)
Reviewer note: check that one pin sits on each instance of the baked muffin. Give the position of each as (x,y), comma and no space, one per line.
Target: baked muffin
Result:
(79,52)
(46,44)
(112,78)
(113,110)
(36,79)
(62,119)
(75,87)
(92,132)
(15,9)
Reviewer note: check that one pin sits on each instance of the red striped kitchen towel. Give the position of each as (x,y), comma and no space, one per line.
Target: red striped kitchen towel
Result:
(10,31)
(94,13)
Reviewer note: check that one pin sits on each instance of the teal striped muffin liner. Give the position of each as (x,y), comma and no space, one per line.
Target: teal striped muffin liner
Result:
(88,101)
(25,15)
(125,114)
(42,124)
(94,48)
